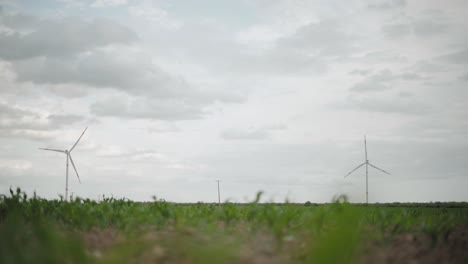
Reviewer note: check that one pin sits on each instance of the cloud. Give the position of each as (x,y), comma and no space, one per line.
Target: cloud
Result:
(15,164)
(144,108)
(375,82)
(127,70)
(457,57)
(258,134)
(384,80)
(155,15)
(396,30)
(306,50)
(360,72)
(427,24)
(30,40)
(431,67)
(387,4)
(59,121)
(464,77)
(98,54)
(108,3)
(261,133)
(144,156)
(400,104)
(16,121)
(328,39)
(429,27)
(150,92)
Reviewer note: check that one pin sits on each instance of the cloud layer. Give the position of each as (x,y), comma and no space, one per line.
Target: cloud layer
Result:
(264,96)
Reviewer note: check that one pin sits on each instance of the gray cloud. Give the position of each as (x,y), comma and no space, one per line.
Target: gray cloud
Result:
(429,27)
(12,112)
(387,4)
(54,38)
(144,108)
(257,134)
(324,39)
(397,30)
(106,3)
(132,73)
(252,133)
(431,67)
(464,77)
(427,24)
(58,121)
(457,57)
(95,54)
(16,121)
(406,104)
(360,72)
(384,80)
(307,50)
(292,58)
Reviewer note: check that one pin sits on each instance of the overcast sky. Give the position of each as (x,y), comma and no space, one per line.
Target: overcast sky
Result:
(263,95)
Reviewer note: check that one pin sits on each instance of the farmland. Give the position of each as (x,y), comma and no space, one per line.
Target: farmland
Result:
(36,230)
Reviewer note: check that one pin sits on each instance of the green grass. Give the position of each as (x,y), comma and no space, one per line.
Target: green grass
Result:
(35,230)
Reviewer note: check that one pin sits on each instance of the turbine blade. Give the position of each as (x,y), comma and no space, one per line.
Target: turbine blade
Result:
(354,169)
(56,150)
(379,169)
(76,143)
(73,164)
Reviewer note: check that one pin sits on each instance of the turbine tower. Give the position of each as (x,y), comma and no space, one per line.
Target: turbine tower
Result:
(367,163)
(69,158)
(219,195)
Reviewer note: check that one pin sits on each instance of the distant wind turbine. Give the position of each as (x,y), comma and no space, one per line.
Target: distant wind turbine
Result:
(69,157)
(367,163)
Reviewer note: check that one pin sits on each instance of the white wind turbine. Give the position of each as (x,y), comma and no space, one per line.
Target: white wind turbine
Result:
(367,163)
(68,153)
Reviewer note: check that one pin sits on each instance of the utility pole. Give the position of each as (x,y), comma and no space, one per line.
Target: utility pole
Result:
(219,195)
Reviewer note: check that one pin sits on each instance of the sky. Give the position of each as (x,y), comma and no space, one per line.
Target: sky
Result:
(272,96)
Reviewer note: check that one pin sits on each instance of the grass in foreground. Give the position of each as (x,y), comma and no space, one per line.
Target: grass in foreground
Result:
(35,230)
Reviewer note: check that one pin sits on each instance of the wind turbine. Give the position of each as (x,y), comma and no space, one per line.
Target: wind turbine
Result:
(69,157)
(367,163)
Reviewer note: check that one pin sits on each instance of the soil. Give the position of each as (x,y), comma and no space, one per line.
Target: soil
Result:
(402,248)
(419,248)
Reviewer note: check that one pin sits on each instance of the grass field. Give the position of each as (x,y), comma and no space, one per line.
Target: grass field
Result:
(35,230)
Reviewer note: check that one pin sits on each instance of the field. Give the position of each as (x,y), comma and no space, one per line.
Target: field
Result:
(35,230)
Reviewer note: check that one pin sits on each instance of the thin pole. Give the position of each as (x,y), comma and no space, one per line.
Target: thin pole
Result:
(219,196)
(66,180)
(367,171)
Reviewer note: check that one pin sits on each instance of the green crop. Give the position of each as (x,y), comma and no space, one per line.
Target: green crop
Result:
(36,230)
